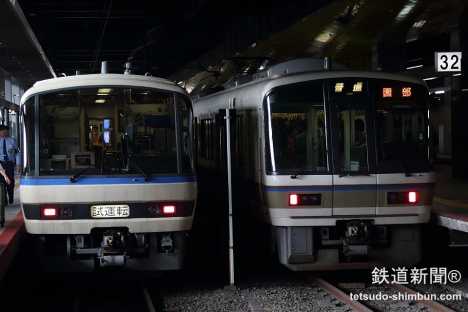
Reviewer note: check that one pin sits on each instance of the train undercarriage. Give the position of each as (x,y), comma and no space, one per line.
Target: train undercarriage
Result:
(106,249)
(354,244)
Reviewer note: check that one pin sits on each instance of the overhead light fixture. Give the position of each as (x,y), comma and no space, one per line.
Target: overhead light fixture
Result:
(104,91)
(100,101)
(414,67)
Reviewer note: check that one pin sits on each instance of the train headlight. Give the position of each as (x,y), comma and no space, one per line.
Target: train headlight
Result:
(305,199)
(410,197)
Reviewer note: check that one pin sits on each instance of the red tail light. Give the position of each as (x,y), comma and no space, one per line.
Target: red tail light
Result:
(49,212)
(56,211)
(168,209)
(413,197)
(305,199)
(293,199)
(410,197)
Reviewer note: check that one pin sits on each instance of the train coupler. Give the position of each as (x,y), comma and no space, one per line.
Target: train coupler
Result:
(112,252)
(167,243)
(109,259)
(356,240)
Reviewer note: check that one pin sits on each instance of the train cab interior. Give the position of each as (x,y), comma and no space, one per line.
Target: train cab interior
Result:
(139,129)
(352,137)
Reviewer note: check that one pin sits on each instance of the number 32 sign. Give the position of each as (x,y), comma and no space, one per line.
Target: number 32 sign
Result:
(448,61)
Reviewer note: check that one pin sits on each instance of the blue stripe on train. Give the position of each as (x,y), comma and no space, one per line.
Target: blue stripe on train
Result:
(87,180)
(349,188)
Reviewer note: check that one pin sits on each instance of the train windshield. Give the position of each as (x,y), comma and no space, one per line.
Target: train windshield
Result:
(351,125)
(107,130)
(296,129)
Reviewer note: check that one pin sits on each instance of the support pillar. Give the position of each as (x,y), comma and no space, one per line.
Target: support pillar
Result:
(459,98)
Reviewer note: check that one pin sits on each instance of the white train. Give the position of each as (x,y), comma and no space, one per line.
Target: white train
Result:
(129,206)
(337,162)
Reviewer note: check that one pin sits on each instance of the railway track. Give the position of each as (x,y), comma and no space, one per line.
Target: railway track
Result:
(381,297)
(114,297)
(275,292)
(303,292)
(199,288)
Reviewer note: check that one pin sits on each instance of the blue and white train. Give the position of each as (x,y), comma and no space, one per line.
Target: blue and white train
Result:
(129,206)
(338,163)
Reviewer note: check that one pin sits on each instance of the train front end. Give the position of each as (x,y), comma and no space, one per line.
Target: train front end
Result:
(128,204)
(348,176)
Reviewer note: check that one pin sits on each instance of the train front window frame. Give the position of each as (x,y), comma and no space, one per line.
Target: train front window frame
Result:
(148,131)
(315,111)
(295,133)
(402,129)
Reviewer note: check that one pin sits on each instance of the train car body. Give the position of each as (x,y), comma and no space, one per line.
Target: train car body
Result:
(337,162)
(130,206)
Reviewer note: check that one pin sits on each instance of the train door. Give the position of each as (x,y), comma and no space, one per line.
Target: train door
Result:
(354,187)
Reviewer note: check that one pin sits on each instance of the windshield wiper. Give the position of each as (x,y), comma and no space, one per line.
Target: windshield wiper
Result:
(73,179)
(131,163)
(294,176)
(406,172)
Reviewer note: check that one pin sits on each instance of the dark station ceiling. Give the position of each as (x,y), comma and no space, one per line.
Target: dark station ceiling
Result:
(206,43)
(161,37)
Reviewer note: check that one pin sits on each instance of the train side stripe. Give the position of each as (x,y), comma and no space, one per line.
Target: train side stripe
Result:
(106,181)
(349,188)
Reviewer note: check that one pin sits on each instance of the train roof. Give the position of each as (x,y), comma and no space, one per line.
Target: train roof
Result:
(301,70)
(91,80)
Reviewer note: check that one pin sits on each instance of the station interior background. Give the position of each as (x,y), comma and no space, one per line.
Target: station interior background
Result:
(207,43)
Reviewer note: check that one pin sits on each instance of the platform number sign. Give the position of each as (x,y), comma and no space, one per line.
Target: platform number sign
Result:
(448,61)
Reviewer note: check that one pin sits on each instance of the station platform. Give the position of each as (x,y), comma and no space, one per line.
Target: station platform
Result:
(450,206)
(12,233)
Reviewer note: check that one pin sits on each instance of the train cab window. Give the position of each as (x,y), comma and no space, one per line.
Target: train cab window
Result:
(404,136)
(402,131)
(153,135)
(295,130)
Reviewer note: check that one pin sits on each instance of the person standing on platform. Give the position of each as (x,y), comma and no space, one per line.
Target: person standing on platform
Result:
(4,175)
(10,161)
(90,140)
(97,144)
